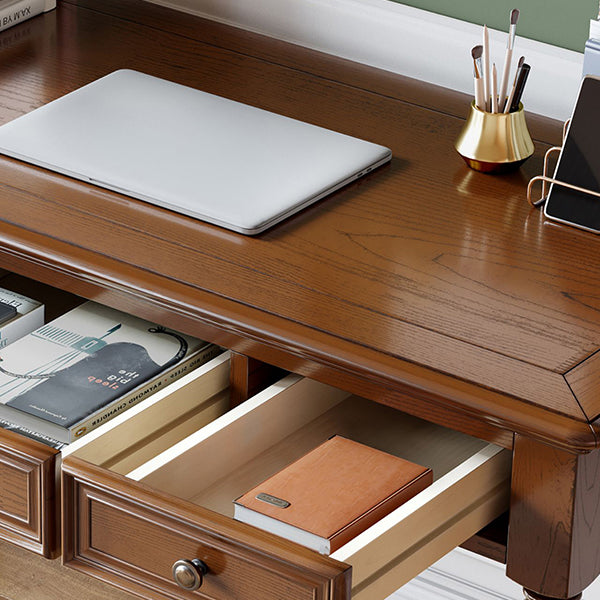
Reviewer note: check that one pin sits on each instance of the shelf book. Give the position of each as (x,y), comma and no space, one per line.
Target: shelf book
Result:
(13,12)
(333,493)
(76,372)
(7,312)
(19,315)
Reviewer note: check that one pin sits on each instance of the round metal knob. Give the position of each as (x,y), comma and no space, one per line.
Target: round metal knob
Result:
(189,574)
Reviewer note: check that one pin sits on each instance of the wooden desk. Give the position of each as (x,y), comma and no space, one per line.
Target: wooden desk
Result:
(424,286)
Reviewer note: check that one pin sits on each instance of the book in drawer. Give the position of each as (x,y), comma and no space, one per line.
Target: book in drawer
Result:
(160,523)
(30,470)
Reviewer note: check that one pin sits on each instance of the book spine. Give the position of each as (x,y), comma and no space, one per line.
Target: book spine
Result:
(21,11)
(34,435)
(138,394)
(595,29)
(22,325)
(591,58)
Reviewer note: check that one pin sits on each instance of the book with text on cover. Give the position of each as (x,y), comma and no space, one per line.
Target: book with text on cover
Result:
(16,11)
(59,378)
(333,493)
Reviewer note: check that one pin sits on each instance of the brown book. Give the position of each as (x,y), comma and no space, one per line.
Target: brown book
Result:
(332,494)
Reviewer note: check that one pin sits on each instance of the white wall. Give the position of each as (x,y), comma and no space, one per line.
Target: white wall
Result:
(401,39)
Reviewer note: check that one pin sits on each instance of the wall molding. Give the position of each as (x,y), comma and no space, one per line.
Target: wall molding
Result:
(401,39)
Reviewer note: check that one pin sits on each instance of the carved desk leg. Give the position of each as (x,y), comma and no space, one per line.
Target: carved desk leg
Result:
(533,596)
(554,530)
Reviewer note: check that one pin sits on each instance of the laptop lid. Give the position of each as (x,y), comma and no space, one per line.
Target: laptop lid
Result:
(195,153)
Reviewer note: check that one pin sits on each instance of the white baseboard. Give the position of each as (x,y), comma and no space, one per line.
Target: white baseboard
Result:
(401,39)
(461,575)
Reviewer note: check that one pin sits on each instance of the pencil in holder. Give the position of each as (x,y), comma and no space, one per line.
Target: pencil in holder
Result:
(495,142)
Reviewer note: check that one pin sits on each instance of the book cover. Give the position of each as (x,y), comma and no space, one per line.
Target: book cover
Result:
(13,12)
(193,360)
(79,363)
(332,494)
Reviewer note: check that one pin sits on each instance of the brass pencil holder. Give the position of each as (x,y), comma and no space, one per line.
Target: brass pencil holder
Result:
(495,142)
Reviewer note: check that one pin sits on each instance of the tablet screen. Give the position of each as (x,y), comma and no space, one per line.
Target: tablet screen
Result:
(579,164)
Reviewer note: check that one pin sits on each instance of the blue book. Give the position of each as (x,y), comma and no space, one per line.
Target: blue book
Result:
(591,58)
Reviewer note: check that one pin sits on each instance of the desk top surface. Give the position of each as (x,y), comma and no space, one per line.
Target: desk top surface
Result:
(424,275)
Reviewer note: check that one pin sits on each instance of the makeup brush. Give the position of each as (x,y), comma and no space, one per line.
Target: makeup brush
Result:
(494,89)
(511,96)
(476,53)
(510,44)
(486,67)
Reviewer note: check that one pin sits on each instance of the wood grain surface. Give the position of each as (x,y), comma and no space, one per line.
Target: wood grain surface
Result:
(27,576)
(103,520)
(425,285)
(445,275)
(554,522)
(28,497)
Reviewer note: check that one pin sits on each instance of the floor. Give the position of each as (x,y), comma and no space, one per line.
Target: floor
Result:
(460,575)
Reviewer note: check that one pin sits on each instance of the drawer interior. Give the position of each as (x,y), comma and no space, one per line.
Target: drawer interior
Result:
(282,424)
(247,445)
(251,442)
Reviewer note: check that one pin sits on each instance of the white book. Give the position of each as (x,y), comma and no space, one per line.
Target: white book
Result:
(13,12)
(30,316)
(594,29)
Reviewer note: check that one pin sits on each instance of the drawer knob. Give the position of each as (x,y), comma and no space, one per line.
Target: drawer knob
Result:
(189,574)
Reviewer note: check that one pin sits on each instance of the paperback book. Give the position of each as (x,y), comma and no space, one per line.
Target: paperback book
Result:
(13,12)
(22,315)
(7,312)
(74,373)
(333,493)
(31,434)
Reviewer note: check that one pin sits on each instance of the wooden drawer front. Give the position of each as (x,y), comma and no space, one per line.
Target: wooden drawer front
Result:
(180,501)
(20,488)
(27,494)
(138,544)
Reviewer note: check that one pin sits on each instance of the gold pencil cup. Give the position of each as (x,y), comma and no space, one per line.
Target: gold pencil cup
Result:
(495,142)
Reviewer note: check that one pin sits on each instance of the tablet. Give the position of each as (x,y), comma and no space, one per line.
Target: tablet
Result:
(579,164)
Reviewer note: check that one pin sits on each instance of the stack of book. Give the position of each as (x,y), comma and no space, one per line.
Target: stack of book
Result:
(333,493)
(76,372)
(13,12)
(19,315)
(591,56)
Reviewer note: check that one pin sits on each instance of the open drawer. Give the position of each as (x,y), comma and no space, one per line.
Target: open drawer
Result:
(132,508)
(30,469)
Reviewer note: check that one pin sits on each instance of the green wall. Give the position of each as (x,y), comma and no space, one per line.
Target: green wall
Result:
(559,22)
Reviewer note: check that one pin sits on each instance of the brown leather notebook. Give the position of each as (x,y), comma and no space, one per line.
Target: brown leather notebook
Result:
(332,494)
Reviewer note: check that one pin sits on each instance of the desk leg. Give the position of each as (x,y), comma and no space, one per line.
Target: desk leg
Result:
(554,529)
(249,376)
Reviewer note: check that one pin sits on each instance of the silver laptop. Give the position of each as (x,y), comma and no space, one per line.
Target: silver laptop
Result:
(195,153)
